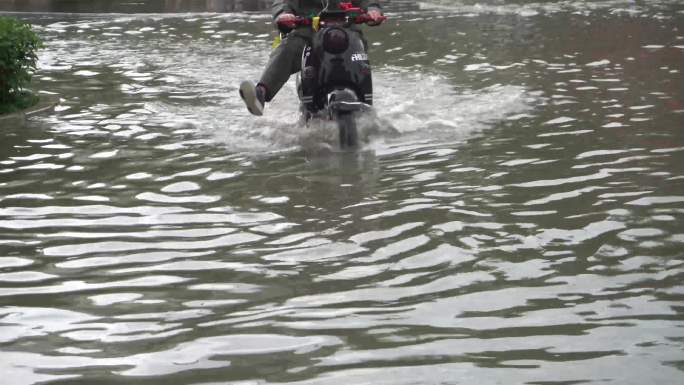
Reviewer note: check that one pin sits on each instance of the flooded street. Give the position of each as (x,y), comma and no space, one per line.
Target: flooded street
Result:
(517,219)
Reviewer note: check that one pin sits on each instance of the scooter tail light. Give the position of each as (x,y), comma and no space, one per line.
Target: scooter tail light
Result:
(335,41)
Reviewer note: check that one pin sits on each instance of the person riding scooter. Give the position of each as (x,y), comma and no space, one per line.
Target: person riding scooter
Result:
(285,59)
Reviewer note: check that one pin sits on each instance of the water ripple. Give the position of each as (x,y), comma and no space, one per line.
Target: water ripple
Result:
(513,214)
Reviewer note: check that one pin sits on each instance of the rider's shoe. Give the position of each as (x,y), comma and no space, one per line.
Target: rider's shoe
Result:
(254,97)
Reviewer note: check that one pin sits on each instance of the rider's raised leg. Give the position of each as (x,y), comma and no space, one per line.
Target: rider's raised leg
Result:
(285,60)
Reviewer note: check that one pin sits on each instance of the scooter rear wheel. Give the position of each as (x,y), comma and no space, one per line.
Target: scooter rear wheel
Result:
(349,136)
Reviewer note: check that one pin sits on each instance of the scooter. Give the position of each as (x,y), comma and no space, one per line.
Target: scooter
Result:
(335,82)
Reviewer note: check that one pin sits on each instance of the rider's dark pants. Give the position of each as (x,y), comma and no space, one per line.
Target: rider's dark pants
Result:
(285,60)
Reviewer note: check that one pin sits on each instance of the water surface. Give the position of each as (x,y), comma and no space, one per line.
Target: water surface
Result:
(516,219)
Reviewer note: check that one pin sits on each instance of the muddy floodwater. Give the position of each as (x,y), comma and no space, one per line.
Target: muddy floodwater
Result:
(517,218)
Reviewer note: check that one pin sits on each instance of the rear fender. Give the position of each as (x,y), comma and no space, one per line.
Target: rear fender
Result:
(344,100)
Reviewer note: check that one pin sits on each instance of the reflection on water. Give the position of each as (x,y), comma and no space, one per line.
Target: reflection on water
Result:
(523,224)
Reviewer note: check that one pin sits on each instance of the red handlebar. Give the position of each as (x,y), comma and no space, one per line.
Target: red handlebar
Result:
(367,19)
(361,19)
(355,14)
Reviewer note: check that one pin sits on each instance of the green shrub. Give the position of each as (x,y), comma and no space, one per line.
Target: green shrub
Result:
(18,45)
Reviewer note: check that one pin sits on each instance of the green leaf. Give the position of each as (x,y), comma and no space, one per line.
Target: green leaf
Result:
(18,58)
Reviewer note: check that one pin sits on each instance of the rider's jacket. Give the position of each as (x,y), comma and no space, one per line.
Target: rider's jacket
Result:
(311,7)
